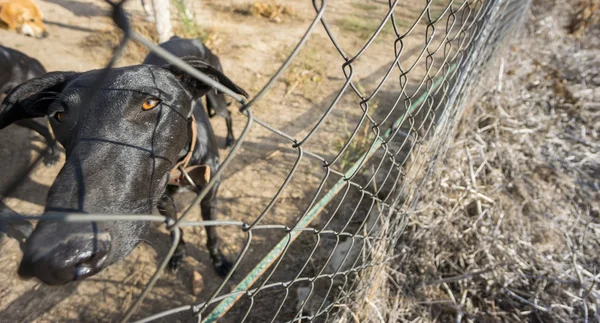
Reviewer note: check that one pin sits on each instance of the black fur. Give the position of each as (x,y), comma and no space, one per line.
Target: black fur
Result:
(118,159)
(16,68)
(215,101)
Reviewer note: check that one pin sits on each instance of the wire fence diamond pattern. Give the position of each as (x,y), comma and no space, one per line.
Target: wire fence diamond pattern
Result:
(405,142)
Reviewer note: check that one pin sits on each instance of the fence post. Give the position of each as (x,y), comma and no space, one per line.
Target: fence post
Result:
(162,16)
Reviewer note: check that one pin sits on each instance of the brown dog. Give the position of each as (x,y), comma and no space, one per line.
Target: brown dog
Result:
(23,16)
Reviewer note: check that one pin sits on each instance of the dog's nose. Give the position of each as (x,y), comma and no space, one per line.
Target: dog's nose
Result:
(80,257)
(44,34)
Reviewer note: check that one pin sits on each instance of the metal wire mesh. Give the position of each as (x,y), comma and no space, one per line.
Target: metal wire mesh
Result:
(355,213)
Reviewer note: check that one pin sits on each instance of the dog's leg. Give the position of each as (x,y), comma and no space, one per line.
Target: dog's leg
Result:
(218,105)
(53,155)
(166,207)
(16,229)
(208,207)
(210,109)
(230,139)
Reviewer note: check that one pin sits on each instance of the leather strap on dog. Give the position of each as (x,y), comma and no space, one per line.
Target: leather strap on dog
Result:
(198,174)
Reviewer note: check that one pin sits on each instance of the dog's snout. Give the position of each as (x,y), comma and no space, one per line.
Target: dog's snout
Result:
(81,256)
(44,34)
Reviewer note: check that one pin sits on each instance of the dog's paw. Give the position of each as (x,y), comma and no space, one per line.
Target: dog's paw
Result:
(21,230)
(222,266)
(52,157)
(229,141)
(176,260)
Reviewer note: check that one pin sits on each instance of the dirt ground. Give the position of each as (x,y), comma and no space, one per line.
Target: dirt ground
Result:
(251,48)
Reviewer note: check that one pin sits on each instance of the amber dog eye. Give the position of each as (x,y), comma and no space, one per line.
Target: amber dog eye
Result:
(149,104)
(59,116)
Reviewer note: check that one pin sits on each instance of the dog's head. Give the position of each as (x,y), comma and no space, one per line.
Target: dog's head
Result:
(24,16)
(120,147)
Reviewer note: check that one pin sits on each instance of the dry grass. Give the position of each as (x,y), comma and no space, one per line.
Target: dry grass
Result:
(360,144)
(367,17)
(104,42)
(588,14)
(509,228)
(187,26)
(269,9)
(364,27)
(306,71)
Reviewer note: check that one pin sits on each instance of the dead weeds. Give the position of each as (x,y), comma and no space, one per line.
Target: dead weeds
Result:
(364,27)
(306,71)
(509,228)
(360,143)
(587,15)
(187,26)
(269,9)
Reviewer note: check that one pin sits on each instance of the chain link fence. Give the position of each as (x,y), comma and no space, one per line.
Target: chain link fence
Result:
(332,252)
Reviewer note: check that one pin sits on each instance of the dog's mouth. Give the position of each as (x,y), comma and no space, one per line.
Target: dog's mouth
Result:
(28,30)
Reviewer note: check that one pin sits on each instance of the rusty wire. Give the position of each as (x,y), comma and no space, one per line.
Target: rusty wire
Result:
(469,33)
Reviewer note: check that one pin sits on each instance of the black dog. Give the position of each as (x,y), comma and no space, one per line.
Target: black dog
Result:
(121,148)
(215,101)
(16,68)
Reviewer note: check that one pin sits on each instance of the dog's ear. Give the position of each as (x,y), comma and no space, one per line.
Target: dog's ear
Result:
(9,16)
(37,12)
(200,88)
(33,98)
